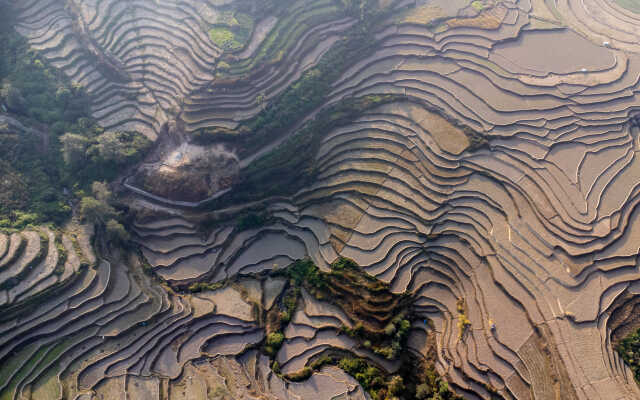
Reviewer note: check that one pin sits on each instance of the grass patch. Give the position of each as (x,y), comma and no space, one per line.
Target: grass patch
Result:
(232,30)
(478,5)
(224,38)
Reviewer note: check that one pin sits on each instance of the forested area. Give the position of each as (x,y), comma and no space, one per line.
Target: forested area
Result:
(629,350)
(51,149)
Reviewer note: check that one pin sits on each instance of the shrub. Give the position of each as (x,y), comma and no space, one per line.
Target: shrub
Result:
(343,263)
(116,232)
(74,149)
(96,211)
(275,339)
(222,37)
(301,375)
(386,351)
(352,365)
(252,221)
(629,350)
(396,385)
(285,317)
(320,362)
(290,301)
(275,367)
(370,377)
(423,391)
(203,286)
(305,271)
(390,329)
(404,327)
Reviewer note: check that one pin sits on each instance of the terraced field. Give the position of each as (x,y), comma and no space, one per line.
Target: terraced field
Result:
(497,189)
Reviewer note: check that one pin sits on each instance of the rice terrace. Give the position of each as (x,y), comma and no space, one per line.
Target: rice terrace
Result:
(319,199)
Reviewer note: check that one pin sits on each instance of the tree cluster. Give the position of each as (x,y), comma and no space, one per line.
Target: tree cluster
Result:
(629,350)
(99,211)
(57,149)
(104,154)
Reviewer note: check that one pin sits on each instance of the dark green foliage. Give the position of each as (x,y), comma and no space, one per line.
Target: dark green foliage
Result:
(62,255)
(203,286)
(629,350)
(423,391)
(355,332)
(290,301)
(62,146)
(28,190)
(116,232)
(117,148)
(304,374)
(371,378)
(278,318)
(33,89)
(416,376)
(96,211)
(99,211)
(252,220)
(421,381)
(396,332)
(291,165)
(318,363)
(97,155)
(343,263)
(345,266)
(283,171)
(304,272)
(274,342)
(275,339)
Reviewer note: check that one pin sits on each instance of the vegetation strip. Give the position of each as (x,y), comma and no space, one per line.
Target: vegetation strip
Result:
(382,323)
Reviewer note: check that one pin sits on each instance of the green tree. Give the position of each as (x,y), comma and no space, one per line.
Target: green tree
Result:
(74,149)
(116,232)
(12,97)
(101,191)
(275,339)
(390,329)
(119,148)
(95,211)
(97,208)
